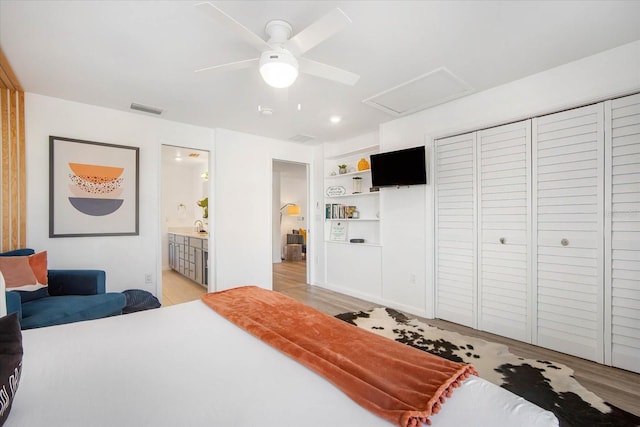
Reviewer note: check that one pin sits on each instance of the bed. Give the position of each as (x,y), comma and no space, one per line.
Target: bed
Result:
(186,365)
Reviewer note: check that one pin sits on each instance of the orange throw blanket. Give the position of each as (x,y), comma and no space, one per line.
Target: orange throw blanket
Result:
(395,381)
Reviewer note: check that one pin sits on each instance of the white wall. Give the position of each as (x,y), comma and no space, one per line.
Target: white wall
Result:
(243,205)
(239,214)
(339,147)
(608,74)
(178,187)
(126,259)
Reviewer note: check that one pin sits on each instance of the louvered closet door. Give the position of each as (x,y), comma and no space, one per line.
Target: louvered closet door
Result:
(504,228)
(455,229)
(622,219)
(568,167)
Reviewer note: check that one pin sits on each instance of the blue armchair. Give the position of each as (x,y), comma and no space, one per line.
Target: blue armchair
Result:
(73,296)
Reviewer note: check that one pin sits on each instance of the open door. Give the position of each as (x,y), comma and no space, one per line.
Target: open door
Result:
(184,228)
(290,250)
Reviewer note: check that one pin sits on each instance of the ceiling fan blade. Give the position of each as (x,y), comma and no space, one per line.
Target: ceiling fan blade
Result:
(238,65)
(317,32)
(329,72)
(230,23)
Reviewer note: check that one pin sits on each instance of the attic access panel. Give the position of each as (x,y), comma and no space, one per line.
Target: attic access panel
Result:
(430,89)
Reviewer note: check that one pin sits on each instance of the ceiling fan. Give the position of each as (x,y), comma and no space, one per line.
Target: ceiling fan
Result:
(281,58)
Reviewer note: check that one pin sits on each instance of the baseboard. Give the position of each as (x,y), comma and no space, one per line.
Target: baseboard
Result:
(374,299)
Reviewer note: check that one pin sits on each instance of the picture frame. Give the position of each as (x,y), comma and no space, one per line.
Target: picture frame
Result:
(338,231)
(93,188)
(336,190)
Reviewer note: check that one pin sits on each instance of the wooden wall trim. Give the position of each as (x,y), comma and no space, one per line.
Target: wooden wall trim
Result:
(5,195)
(22,171)
(13,176)
(8,79)
(13,165)
(13,181)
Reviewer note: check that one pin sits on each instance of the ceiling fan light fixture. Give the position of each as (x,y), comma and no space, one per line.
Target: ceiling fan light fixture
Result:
(278,69)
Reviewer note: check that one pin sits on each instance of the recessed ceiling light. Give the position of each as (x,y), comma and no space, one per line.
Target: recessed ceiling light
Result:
(299,107)
(335,119)
(178,159)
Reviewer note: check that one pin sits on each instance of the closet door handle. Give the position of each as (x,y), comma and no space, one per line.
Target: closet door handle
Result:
(503,240)
(564,242)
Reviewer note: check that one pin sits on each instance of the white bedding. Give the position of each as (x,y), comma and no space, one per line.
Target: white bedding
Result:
(185,365)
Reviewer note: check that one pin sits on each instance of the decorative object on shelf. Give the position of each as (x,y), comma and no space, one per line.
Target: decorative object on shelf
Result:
(357,184)
(333,173)
(356,241)
(350,211)
(336,190)
(204,204)
(373,189)
(338,231)
(363,164)
(355,215)
(342,169)
(351,169)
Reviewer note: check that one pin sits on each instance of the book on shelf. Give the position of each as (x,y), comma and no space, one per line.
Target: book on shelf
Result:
(338,211)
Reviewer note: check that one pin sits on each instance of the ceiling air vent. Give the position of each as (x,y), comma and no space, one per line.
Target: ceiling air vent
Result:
(430,89)
(146,108)
(301,138)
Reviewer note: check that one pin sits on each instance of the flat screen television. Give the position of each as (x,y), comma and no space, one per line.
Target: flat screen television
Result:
(401,167)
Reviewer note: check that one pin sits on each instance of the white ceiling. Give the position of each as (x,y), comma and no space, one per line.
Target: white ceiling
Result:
(113,53)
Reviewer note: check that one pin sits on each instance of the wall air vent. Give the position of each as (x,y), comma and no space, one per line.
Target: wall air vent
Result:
(146,108)
(430,89)
(301,138)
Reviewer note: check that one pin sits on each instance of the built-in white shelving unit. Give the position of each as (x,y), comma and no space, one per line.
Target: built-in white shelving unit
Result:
(341,198)
(352,268)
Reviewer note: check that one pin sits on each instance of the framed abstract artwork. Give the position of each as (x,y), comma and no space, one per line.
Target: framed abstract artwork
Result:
(93,188)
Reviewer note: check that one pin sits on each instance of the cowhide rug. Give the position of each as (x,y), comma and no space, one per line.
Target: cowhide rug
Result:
(548,384)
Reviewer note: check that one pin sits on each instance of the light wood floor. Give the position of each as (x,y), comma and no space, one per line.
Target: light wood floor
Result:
(177,289)
(616,386)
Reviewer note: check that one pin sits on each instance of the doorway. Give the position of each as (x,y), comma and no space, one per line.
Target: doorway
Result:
(290,248)
(184,224)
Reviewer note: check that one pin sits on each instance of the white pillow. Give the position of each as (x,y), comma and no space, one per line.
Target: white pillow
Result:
(3,297)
